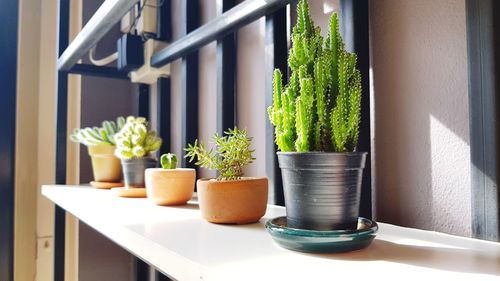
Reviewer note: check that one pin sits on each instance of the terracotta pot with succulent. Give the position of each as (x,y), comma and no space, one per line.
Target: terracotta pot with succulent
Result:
(230,198)
(101,147)
(134,147)
(170,185)
(316,118)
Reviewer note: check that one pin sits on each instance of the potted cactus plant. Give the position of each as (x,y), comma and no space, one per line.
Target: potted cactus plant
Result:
(101,147)
(316,118)
(170,185)
(230,198)
(134,147)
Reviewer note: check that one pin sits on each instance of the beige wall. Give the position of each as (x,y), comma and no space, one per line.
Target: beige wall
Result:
(26,172)
(419,69)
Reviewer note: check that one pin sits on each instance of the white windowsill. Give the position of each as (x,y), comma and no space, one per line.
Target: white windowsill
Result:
(179,243)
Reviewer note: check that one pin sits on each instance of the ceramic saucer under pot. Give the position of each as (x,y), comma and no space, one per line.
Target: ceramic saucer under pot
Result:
(315,241)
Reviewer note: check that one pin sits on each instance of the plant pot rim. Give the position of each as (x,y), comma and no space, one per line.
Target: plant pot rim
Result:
(242,179)
(321,153)
(101,144)
(170,170)
(146,158)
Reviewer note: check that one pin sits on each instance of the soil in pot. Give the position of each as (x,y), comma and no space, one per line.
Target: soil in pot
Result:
(105,165)
(322,190)
(170,186)
(233,202)
(134,169)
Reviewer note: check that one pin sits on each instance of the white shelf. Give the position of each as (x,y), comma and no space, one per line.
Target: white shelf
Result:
(179,243)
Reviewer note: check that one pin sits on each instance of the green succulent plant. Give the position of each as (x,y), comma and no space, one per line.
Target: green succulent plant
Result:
(319,109)
(232,153)
(98,135)
(168,161)
(134,140)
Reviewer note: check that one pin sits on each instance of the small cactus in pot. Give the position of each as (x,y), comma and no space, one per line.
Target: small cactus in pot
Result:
(101,146)
(134,145)
(170,185)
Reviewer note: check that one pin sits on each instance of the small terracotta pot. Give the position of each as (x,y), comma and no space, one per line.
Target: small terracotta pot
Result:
(170,186)
(105,165)
(232,202)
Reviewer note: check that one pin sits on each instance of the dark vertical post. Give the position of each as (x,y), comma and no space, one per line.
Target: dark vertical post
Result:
(143,101)
(61,138)
(164,20)
(483,40)
(355,24)
(276,57)
(164,32)
(163,113)
(8,78)
(226,75)
(141,269)
(161,277)
(189,76)
(163,102)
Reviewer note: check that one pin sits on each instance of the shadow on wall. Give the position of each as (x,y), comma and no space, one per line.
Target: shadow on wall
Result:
(419,67)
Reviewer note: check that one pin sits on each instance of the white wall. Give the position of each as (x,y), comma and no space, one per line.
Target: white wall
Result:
(419,66)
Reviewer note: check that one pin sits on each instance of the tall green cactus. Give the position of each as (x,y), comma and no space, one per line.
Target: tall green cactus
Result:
(134,140)
(319,109)
(98,136)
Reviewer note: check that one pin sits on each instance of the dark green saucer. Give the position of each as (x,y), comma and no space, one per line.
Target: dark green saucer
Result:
(314,241)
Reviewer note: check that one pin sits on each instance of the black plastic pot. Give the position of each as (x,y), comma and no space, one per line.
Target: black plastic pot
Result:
(322,190)
(133,170)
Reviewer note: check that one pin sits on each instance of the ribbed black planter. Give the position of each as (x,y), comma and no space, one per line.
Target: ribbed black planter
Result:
(133,170)
(322,190)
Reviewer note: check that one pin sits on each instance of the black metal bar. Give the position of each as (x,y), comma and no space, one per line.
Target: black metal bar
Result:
(164,20)
(163,113)
(226,75)
(141,270)
(276,57)
(143,101)
(162,277)
(8,78)
(61,138)
(108,14)
(483,39)
(232,20)
(98,71)
(189,77)
(355,29)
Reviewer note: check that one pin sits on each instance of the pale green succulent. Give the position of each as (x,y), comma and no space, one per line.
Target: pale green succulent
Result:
(98,136)
(134,140)
(319,109)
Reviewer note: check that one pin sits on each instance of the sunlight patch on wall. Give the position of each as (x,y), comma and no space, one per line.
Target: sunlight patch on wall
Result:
(330,6)
(450,166)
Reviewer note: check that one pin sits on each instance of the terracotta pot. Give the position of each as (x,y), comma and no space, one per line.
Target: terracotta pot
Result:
(232,202)
(170,186)
(105,165)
